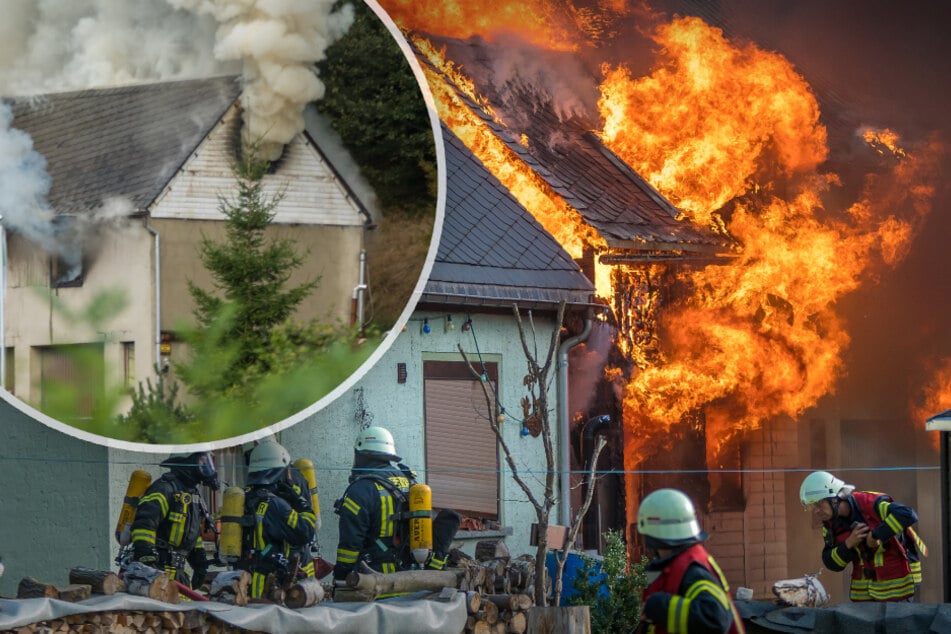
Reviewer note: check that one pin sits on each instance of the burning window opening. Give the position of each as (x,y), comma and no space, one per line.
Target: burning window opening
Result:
(66,265)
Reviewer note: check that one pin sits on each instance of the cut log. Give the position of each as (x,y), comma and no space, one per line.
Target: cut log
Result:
(516,623)
(231,587)
(492,550)
(30,588)
(304,594)
(74,592)
(489,612)
(481,627)
(516,601)
(101,581)
(403,581)
(149,582)
(473,601)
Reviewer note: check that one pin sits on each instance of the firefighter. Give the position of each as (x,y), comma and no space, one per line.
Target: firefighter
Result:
(688,594)
(870,531)
(374,511)
(299,483)
(166,531)
(281,522)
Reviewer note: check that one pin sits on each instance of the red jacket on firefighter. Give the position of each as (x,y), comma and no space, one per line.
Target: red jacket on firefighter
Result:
(885,549)
(689,595)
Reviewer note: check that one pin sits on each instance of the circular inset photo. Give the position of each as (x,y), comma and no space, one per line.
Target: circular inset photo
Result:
(214,215)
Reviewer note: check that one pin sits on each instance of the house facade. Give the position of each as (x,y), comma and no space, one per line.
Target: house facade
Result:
(138,177)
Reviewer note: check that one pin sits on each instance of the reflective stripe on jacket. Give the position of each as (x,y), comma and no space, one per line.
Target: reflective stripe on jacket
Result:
(673,580)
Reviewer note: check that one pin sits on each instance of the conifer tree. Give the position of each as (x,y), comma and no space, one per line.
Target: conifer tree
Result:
(250,297)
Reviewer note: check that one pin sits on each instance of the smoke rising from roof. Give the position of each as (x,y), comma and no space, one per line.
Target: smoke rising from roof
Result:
(277,43)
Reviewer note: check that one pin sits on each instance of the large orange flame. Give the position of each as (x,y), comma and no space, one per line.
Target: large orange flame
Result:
(732,135)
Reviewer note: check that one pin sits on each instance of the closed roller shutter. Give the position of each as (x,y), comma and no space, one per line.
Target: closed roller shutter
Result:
(461,449)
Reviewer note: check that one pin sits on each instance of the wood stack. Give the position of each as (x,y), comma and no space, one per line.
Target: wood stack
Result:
(133,622)
(498,597)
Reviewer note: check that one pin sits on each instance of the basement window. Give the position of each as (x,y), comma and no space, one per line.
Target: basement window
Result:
(462,457)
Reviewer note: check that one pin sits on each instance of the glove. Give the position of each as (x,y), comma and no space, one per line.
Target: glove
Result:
(287,493)
(145,553)
(655,608)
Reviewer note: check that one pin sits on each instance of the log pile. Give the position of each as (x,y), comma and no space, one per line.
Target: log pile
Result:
(498,589)
(133,622)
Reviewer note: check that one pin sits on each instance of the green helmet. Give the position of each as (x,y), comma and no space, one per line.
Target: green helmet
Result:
(821,485)
(667,518)
(268,462)
(378,442)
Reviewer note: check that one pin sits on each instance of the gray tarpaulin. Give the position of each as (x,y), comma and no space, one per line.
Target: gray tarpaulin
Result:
(847,618)
(402,615)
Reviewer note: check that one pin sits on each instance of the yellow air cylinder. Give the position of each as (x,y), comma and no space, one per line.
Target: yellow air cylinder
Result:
(232,509)
(139,481)
(421,522)
(306,467)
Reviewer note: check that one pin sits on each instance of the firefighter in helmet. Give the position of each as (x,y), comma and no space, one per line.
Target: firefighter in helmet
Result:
(301,488)
(869,530)
(689,593)
(282,522)
(374,511)
(166,530)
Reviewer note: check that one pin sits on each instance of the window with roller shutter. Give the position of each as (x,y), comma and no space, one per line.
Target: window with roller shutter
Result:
(462,457)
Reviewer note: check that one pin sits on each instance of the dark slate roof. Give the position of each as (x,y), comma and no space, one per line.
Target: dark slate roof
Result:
(128,141)
(625,210)
(492,252)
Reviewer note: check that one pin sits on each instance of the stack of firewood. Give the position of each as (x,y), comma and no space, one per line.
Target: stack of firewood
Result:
(499,588)
(132,622)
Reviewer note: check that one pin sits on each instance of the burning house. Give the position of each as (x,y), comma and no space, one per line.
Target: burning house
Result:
(134,179)
(729,222)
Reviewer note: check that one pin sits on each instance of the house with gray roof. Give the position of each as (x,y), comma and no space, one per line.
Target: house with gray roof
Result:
(136,178)
(492,255)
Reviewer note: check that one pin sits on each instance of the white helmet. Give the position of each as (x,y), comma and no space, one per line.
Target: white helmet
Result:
(821,485)
(377,441)
(667,517)
(268,462)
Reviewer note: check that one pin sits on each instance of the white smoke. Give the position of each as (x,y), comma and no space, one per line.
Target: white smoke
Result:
(58,45)
(277,43)
(24,184)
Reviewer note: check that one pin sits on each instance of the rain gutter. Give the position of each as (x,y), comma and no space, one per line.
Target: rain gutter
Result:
(564,439)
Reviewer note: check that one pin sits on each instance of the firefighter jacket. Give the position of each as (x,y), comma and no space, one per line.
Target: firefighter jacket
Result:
(888,573)
(302,488)
(373,520)
(273,537)
(690,595)
(166,530)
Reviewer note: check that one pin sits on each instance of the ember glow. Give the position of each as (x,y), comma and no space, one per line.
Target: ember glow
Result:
(935,396)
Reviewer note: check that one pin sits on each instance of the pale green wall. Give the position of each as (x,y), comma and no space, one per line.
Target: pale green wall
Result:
(327,437)
(54,501)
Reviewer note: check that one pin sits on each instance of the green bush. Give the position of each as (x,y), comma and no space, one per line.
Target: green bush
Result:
(611,587)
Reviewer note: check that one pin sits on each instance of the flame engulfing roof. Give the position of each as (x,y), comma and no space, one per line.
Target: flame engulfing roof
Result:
(557,144)
(492,252)
(126,141)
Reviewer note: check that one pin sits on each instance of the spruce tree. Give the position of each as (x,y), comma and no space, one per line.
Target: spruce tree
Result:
(250,296)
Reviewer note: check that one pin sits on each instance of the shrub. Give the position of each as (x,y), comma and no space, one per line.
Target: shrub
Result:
(611,587)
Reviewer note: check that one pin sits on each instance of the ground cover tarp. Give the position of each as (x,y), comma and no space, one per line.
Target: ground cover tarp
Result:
(399,615)
(847,618)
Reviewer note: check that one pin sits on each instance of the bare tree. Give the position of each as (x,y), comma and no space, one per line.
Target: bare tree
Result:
(536,414)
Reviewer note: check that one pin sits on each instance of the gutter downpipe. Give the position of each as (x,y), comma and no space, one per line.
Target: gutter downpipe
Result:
(563,434)
(158,299)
